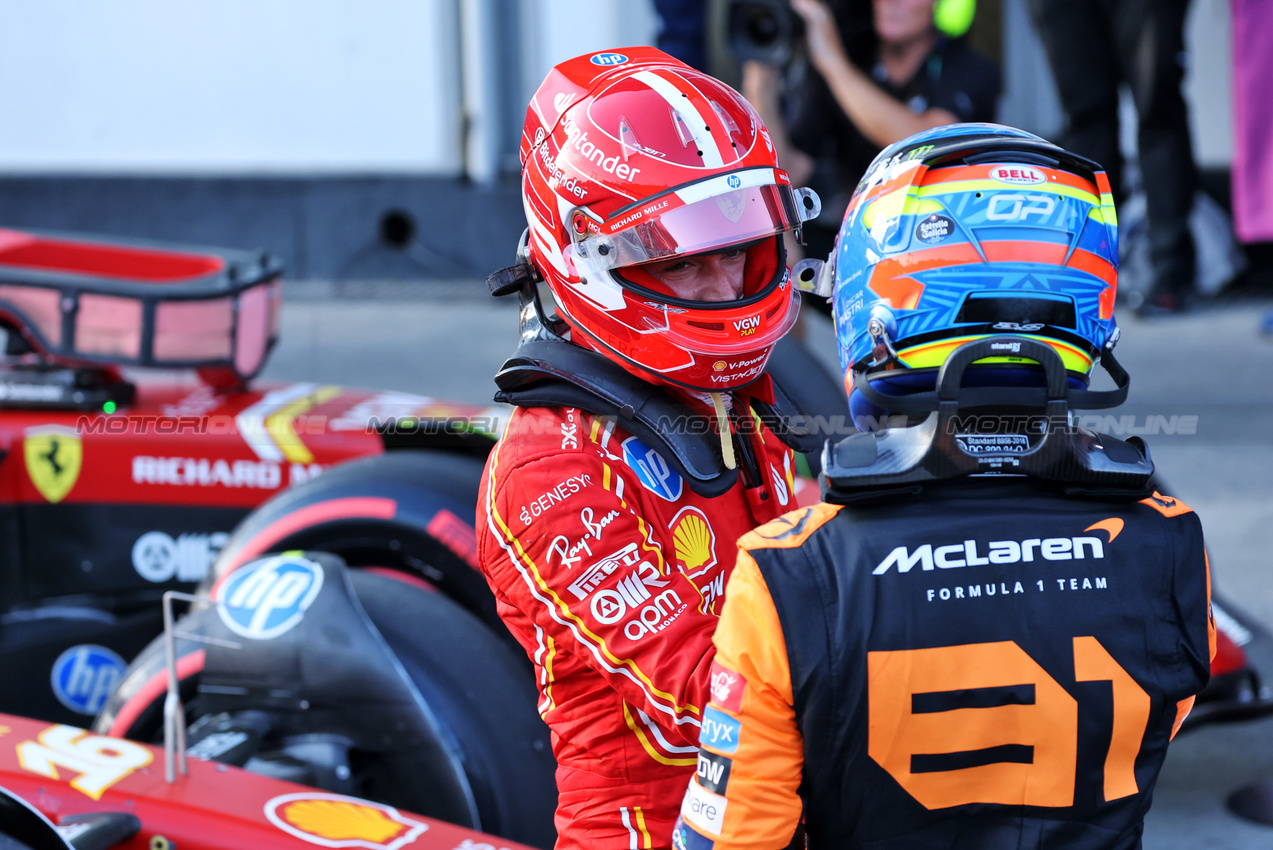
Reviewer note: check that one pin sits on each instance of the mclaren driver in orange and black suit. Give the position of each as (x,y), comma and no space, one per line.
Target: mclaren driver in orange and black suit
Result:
(989,631)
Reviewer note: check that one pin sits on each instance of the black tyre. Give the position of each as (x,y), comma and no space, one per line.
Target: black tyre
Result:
(479,691)
(429,532)
(135,709)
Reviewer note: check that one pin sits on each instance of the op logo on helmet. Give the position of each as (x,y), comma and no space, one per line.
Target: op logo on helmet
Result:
(607,59)
(330,820)
(266,599)
(561,100)
(1021,175)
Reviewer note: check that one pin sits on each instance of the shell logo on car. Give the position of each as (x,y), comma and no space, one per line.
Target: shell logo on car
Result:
(330,820)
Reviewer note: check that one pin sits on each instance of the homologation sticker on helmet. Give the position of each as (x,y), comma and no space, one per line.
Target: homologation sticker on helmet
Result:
(935,228)
(985,445)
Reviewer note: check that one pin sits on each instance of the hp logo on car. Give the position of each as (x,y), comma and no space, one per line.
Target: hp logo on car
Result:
(608,59)
(734,181)
(266,599)
(84,676)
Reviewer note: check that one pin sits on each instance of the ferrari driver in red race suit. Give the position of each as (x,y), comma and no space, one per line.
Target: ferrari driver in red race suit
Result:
(647,436)
(988,633)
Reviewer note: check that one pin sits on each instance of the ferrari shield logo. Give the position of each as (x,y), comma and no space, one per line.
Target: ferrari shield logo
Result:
(53,456)
(732,205)
(330,820)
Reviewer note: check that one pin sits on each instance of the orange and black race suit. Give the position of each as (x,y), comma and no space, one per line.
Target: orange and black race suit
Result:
(991,666)
(611,572)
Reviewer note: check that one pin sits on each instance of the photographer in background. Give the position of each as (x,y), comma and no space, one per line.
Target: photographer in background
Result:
(918,72)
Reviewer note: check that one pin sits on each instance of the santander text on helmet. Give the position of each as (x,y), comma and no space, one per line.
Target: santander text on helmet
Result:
(589,150)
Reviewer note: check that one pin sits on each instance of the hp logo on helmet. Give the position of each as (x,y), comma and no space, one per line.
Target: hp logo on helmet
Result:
(266,599)
(608,59)
(734,181)
(84,676)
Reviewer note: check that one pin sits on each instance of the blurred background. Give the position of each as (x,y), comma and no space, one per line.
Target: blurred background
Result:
(379,140)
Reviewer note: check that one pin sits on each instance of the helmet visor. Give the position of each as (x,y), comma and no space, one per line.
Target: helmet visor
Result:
(702,217)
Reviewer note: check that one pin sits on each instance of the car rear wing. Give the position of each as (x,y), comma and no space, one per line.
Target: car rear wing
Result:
(80,300)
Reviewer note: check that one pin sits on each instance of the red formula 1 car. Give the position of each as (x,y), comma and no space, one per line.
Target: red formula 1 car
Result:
(62,787)
(132,446)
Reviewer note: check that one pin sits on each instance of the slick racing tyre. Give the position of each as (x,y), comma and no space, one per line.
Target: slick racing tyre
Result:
(135,709)
(408,509)
(482,691)
(475,689)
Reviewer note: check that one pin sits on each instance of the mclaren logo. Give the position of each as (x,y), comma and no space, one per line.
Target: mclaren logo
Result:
(1112,526)
(969,553)
(53,456)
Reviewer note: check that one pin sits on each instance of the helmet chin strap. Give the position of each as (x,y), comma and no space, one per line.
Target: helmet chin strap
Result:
(726,437)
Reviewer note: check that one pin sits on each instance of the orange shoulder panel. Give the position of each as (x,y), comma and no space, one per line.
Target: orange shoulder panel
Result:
(1166,505)
(791,529)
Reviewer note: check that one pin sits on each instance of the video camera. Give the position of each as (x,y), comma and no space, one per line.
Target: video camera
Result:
(768,30)
(762,30)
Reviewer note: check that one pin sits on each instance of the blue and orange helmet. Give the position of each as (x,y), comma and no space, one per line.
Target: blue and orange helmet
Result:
(968,231)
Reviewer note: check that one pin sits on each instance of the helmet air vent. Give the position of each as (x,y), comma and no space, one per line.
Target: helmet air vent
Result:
(683,131)
(726,121)
(628,139)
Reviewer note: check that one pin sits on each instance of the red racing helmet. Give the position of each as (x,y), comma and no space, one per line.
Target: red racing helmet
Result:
(631,157)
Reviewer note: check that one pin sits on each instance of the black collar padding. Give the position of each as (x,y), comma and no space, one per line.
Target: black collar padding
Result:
(549,372)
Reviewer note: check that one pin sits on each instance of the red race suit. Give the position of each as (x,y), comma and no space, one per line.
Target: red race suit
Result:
(610,571)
